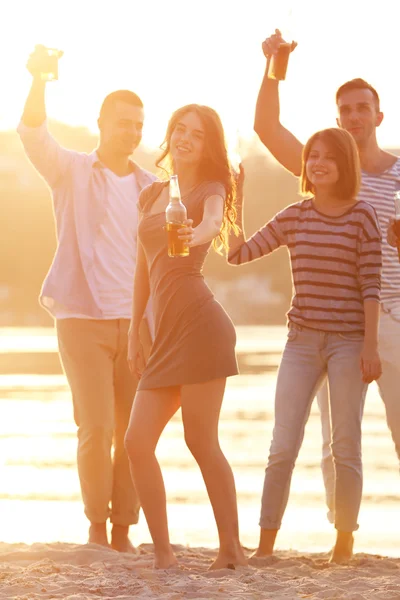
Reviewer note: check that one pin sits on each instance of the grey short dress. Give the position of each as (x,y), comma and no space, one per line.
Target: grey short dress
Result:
(194,337)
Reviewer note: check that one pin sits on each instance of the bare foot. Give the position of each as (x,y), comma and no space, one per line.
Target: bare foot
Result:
(343,550)
(266,543)
(98,534)
(259,553)
(120,540)
(229,559)
(165,559)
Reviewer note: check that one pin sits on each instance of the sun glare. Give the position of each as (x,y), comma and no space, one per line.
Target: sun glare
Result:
(177,52)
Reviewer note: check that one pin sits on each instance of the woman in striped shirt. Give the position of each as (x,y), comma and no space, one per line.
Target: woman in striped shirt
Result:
(334,244)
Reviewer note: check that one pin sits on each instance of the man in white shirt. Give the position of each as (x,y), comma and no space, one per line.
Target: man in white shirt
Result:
(89,292)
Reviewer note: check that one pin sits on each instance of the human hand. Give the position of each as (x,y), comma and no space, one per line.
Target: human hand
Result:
(188,233)
(135,354)
(370,363)
(38,61)
(271,44)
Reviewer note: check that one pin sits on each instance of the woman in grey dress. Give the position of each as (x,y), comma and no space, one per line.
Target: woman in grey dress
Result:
(194,347)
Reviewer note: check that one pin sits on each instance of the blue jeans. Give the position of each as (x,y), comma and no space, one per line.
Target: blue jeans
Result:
(388,385)
(309,357)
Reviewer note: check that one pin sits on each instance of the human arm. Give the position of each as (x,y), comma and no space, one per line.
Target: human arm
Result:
(370,362)
(263,242)
(282,144)
(210,225)
(47,156)
(35,106)
(141,294)
(370,266)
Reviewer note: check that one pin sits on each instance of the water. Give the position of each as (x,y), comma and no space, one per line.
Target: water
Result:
(39,487)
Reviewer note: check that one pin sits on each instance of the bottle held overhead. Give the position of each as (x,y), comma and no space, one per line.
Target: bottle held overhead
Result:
(283,45)
(44,61)
(175,216)
(279,61)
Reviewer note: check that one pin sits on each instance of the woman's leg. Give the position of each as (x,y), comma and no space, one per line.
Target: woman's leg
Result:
(328,469)
(301,373)
(152,409)
(347,396)
(201,405)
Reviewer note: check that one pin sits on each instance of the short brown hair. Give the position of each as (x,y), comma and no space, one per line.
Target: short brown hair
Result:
(119,96)
(358,84)
(341,143)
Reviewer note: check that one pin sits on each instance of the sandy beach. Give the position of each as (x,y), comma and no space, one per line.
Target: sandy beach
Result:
(43,529)
(70,572)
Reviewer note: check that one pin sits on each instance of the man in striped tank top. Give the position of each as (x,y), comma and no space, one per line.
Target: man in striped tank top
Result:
(359,113)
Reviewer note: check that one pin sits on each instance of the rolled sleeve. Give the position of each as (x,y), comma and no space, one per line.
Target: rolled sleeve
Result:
(50,159)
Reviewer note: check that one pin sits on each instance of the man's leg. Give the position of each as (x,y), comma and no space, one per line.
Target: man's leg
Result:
(328,469)
(87,349)
(125,502)
(389,382)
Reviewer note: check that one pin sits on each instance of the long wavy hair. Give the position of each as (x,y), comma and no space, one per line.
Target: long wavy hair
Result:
(214,165)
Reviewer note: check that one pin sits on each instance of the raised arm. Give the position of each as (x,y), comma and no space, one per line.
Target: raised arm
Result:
(34,113)
(47,156)
(282,144)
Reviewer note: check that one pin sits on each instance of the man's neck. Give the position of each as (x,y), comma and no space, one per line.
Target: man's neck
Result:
(374,160)
(120,165)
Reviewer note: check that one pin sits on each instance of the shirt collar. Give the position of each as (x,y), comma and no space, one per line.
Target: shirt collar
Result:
(142,177)
(97,164)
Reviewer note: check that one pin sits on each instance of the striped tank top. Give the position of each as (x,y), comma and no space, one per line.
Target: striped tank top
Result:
(336,263)
(379,191)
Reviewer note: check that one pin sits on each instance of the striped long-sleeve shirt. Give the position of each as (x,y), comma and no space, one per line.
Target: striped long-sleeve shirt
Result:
(379,191)
(336,262)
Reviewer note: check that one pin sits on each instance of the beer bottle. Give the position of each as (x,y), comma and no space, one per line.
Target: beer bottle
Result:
(175,215)
(279,62)
(47,62)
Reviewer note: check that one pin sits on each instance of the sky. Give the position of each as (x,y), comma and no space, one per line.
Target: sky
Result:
(173,52)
